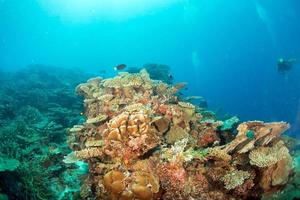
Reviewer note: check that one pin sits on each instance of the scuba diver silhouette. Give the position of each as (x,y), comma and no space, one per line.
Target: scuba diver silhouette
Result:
(285,65)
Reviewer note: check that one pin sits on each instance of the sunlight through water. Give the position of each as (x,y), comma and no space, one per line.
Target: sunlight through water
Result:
(86,10)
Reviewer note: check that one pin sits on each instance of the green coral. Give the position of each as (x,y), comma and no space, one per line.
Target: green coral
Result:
(196,153)
(229,123)
(3,197)
(250,134)
(7,164)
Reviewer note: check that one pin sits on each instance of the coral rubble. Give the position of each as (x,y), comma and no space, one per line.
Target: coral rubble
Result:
(142,142)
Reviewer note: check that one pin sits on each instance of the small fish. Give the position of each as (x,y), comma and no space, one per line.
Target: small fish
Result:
(120,67)
(170,76)
(179,86)
(193,98)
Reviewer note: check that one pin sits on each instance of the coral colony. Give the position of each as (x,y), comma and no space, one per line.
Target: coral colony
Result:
(142,142)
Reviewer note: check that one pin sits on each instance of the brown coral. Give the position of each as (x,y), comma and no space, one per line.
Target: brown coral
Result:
(139,185)
(217,153)
(114,182)
(89,153)
(144,186)
(264,133)
(267,156)
(161,124)
(97,119)
(175,133)
(188,108)
(277,169)
(207,137)
(89,89)
(235,178)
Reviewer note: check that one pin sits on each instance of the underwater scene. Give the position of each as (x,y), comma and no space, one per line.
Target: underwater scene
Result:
(149,100)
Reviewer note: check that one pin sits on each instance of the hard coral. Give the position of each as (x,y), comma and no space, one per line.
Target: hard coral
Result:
(129,135)
(89,153)
(142,142)
(175,133)
(173,178)
(139,185)
(264,134)
(114,182)
(218,154)
(267,156)
(144,186)
(277,166)
(235,178)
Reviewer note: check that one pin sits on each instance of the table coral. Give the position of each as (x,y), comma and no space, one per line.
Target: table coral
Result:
(264,133)
(143,142)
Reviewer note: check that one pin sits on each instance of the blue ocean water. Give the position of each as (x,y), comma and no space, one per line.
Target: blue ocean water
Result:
(226,50)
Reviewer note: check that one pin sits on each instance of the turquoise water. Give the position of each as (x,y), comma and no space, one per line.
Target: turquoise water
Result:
(226,51)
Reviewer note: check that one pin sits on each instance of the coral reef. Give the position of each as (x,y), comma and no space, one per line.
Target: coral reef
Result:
(142,142)
(292,188)
(254,133)
(37,104)
(156,71)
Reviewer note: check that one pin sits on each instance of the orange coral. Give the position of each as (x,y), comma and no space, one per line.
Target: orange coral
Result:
(128,135)
(139,185)
(144,186)
(114,182)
